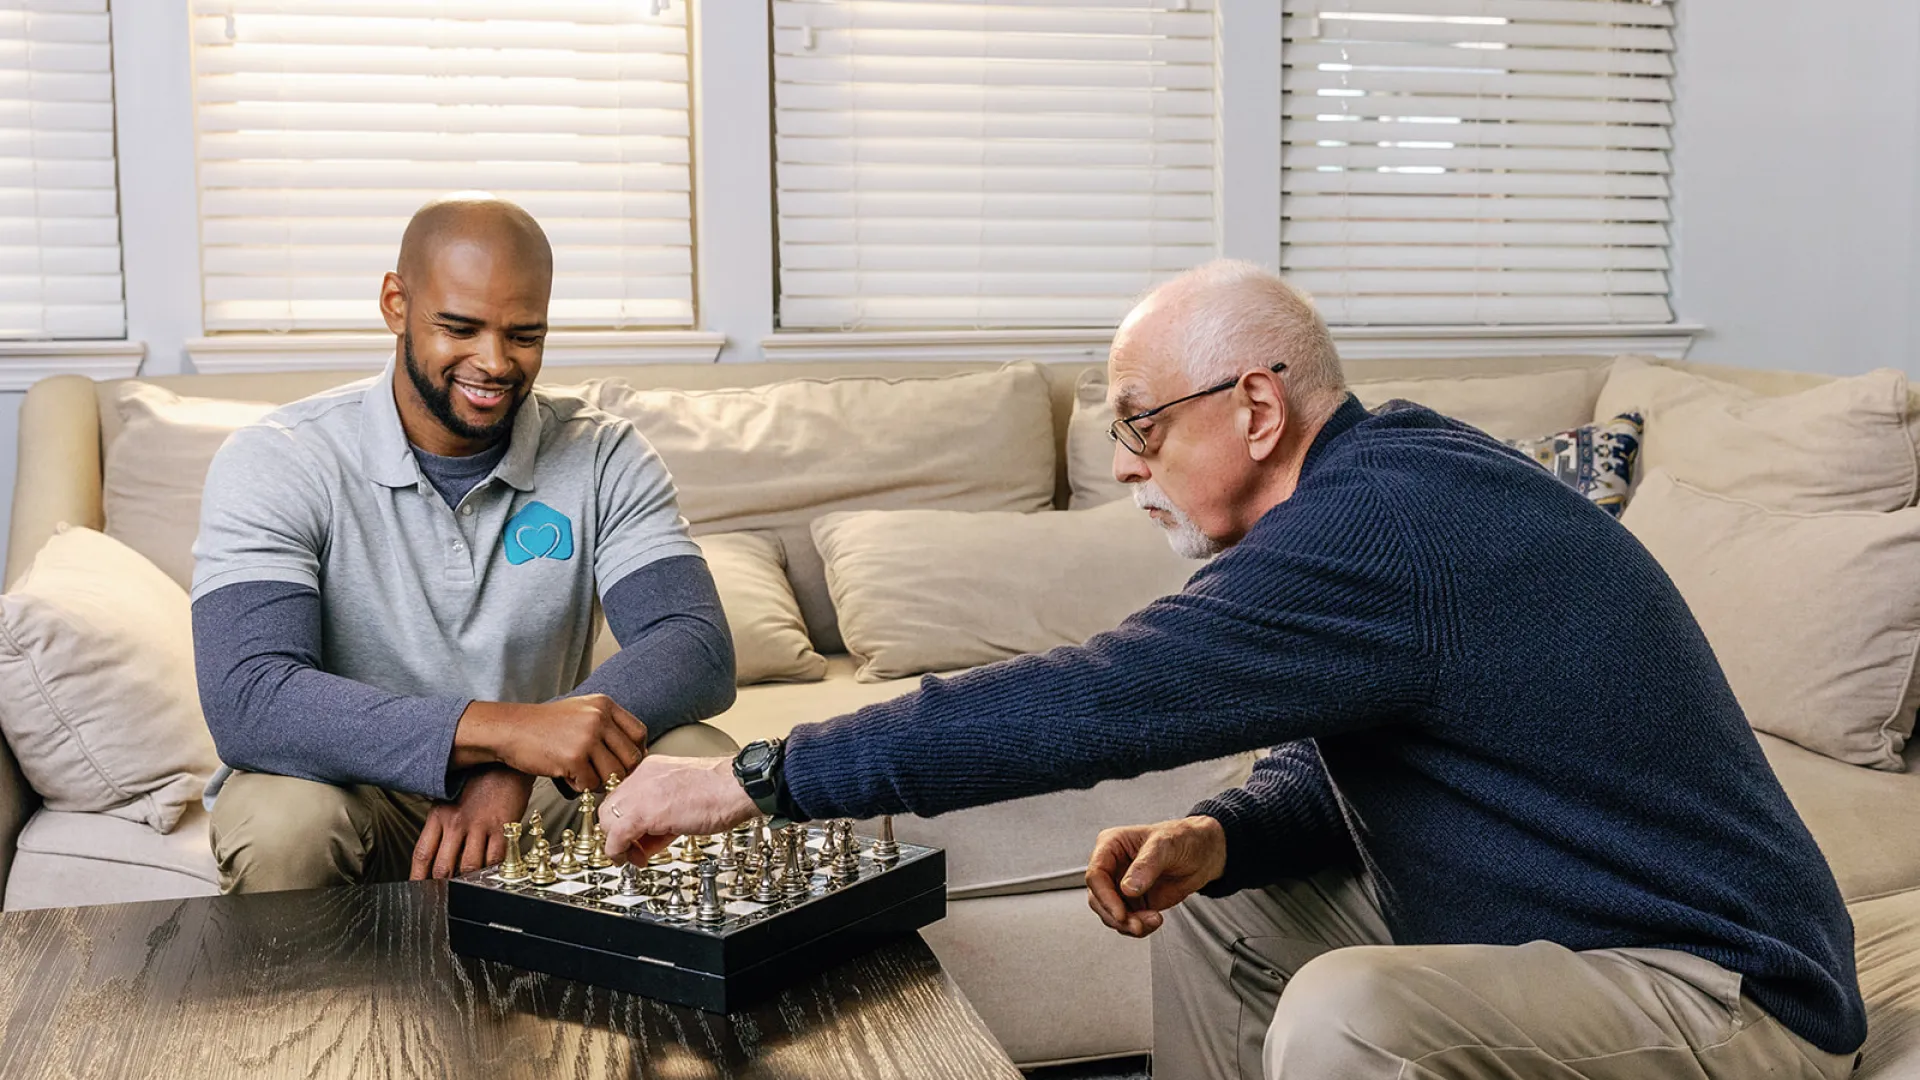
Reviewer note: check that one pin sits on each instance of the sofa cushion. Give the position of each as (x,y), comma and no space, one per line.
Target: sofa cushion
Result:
(1857,816)
(67,860)
(769,637)
(97,693)
(1885,934)
(157,465)
(1815,618)
(935,590)
(779,455)
(1840,445)
(1507,406)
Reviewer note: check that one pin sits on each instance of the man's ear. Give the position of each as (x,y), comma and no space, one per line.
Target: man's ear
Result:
(393,302)
(1263,404)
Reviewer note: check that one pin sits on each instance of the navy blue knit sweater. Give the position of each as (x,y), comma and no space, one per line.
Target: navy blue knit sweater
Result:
(1480,687)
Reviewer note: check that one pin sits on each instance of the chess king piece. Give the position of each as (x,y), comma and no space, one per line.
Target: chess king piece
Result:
(710,911)
(886,850)
(796,881)
(569,863)
(583,846)
(540,865)
(513,867)
(766,890)
(676,903)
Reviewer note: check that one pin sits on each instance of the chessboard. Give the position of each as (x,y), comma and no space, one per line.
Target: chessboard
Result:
(712,922)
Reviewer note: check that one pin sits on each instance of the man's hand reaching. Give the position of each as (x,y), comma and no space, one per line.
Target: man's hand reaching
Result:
(672,796)
(1139,871)
(465,834)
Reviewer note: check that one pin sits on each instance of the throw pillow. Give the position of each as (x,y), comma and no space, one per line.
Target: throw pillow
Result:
(769,638)
(1504,406)
(937,590)
(1596,460)
(157,465)
(1815,618)
(97,693)
(1840,445)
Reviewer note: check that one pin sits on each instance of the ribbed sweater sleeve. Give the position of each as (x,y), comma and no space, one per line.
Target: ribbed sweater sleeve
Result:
(675,664)
(1306,627)
(1283,823)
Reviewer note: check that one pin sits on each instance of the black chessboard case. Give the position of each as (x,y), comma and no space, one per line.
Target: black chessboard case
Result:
(644,940)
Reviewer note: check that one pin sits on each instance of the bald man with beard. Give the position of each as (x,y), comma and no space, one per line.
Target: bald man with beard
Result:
(395,581)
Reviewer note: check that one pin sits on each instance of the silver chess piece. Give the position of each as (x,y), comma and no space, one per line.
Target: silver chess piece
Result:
(846,853)
(796,880)
(727,860)
(676,902)
(766,890)
(630,881)
(710,911)
(886,850)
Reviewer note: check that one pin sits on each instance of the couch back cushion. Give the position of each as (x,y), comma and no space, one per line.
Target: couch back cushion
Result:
(1841,444)
(1507,405)
(1814,617)
(937,590)
(775,457)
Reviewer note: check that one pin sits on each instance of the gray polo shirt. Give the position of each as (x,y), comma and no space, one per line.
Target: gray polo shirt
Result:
(492,599)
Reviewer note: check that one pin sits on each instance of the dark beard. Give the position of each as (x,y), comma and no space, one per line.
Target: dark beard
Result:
(439,402)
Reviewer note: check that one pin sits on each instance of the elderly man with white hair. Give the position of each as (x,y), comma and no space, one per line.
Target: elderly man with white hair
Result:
(1512,822)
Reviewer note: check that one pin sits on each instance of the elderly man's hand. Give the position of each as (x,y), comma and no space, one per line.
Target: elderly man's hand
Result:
(672,796)
(1137,872)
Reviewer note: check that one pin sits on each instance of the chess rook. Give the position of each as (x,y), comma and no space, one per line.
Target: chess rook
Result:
(513,867)
(710,911)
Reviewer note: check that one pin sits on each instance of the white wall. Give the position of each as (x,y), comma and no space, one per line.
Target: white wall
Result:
(1797,183)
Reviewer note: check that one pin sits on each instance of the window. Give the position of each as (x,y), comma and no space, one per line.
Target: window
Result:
(323,125)
(1478,161)
(971,165)
(59,211)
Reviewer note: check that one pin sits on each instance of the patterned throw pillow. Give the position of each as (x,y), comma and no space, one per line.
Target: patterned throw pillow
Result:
(1596,460)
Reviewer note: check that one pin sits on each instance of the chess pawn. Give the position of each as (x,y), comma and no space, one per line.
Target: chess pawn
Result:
(676,904)
(766,890)
(796,880)
(886,850)
(710,911)
(569,864)
(597,857)
(513,867)
(846,854)
(583,846)
(540,864)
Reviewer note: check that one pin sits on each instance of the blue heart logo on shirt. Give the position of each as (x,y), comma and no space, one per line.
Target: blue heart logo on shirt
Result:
(538,531)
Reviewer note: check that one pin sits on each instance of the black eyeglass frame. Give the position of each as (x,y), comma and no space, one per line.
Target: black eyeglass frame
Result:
(1113,429)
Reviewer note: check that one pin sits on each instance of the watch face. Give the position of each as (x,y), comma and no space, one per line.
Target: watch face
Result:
(756,756)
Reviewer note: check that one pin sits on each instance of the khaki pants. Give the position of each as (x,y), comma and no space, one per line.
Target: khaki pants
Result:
(279,832)
(1301,982)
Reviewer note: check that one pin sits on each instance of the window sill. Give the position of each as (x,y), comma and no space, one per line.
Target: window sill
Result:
(1667,340)
(23,363)
(229,353)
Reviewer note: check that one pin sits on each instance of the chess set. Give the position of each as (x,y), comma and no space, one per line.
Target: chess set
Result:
(714,922)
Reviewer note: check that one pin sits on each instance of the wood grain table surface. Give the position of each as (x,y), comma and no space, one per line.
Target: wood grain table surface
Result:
(359,982)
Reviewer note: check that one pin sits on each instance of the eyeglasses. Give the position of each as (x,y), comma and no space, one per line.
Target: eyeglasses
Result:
(1123,432)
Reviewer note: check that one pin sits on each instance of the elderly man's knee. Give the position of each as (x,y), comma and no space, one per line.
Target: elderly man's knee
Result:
(694,740)
(279,832)
(1342,1004)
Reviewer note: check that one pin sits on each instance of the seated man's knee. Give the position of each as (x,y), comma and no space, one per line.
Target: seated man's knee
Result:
(279,832)
(694,740)
(1340,1012)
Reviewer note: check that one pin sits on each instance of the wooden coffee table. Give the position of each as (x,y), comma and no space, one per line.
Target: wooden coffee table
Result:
(360,982)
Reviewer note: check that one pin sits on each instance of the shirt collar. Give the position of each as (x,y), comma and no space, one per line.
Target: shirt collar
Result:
(388,457)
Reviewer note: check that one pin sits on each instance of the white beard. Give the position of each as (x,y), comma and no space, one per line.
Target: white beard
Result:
(1183,535)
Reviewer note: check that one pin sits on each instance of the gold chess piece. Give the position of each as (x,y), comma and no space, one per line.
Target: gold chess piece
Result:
(597,857)
(540,866)
(513,867)
(569,863)
(583,845)
(613,781)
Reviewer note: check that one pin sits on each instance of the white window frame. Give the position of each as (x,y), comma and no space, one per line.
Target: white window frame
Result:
(735,263)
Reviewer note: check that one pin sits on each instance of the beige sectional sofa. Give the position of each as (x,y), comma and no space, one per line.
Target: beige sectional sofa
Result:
(1049,980)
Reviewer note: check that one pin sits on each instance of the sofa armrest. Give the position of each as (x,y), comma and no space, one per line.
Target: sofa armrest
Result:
(58,478)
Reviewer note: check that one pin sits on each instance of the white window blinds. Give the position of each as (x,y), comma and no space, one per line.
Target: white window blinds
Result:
(968,165)
(59,212)
(1478,161)
(323,125)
